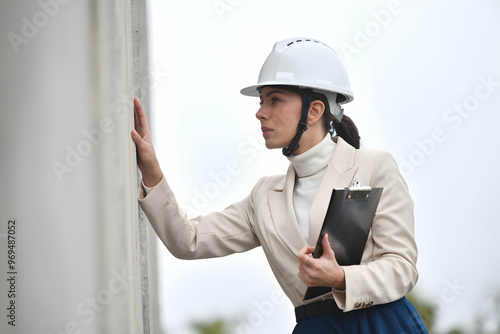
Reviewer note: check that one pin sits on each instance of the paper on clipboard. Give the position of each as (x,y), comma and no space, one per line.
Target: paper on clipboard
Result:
(348,221)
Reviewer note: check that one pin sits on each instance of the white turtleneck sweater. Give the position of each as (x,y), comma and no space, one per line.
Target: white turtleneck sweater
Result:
(309,167)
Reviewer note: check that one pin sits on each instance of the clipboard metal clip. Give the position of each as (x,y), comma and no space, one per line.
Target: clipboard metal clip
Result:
(357,191)
(356,185)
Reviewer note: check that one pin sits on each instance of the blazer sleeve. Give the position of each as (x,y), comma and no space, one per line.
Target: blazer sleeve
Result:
(388,268)
(213,235)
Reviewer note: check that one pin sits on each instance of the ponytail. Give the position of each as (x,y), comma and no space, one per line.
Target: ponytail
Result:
(346,129)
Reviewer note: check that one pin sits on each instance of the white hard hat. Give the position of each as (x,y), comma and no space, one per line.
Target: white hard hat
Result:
(306,63)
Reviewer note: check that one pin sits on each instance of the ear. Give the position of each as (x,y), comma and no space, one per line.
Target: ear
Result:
(316,111)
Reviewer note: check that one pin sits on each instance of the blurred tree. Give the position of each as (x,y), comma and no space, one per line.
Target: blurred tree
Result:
(496,311)
(427,310)
(217,327)
(479,322)
(456,331)
(487,319)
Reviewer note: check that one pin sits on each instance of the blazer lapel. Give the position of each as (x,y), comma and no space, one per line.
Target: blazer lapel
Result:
(283,215)
(339,173)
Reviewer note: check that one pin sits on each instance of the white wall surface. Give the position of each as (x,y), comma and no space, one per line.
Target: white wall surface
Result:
(69,71)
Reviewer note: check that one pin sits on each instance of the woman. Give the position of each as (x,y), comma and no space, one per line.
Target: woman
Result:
(301,86)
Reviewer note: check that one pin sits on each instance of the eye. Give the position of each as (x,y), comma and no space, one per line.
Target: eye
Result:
(272,100)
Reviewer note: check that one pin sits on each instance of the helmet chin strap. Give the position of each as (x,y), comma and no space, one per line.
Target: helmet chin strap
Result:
(294,143)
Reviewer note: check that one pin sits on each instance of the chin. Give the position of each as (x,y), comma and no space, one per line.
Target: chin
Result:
(272,144)
(269,146)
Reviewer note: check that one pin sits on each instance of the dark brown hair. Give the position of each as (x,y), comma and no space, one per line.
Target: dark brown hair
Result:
(346,129)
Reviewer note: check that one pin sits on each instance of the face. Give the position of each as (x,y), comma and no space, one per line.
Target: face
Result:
(279,115)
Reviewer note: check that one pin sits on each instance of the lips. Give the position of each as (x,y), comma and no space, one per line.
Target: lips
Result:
(266,131)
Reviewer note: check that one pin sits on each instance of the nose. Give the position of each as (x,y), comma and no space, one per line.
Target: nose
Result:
(261,113)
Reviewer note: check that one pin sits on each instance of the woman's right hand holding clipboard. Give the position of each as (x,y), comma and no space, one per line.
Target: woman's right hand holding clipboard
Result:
(322,271)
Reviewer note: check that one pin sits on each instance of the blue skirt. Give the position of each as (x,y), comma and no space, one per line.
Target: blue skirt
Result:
(393,318)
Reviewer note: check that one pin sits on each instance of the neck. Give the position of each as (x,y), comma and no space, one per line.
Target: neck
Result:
(308,140)
(315,159)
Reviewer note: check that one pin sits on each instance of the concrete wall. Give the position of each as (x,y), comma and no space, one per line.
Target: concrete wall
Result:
(69,220)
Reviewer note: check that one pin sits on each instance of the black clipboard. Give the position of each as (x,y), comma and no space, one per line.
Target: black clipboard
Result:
(348,221)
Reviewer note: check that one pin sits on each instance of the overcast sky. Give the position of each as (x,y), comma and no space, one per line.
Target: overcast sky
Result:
(426,81)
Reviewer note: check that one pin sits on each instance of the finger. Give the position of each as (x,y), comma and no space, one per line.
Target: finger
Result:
(302,253)
(305,277)
(309,249)
(140,121)
(327,248)
(136,137)
(302,258)
(305,253)
(135,116)
(136,120)
(309,260)
(303,271)
(140,144)
(303,263)
(302,275)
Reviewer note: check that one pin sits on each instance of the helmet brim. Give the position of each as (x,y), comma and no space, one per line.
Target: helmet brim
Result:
(251,91)
(254,90)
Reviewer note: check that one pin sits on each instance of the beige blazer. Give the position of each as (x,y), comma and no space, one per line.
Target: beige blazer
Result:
(266,218)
